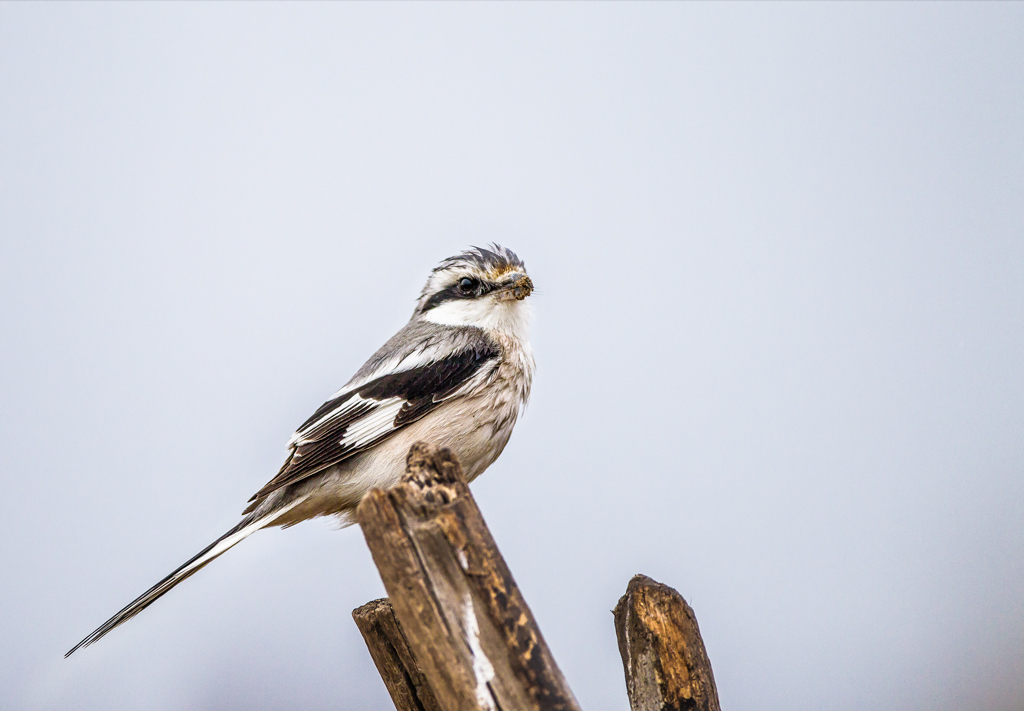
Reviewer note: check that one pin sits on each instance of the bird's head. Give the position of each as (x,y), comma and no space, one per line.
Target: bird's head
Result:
(480,287)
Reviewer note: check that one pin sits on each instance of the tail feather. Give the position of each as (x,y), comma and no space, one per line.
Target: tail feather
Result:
(236,535)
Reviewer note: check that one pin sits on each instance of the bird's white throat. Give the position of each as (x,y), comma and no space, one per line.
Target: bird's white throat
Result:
(511,317)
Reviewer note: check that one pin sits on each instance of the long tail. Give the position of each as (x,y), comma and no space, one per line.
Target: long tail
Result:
(236,535)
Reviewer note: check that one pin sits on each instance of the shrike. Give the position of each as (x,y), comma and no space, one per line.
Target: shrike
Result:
(457,375)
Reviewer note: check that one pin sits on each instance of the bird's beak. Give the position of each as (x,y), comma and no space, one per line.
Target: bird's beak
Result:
(516,286)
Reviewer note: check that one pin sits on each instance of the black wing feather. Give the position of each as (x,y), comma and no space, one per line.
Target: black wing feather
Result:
(423,388)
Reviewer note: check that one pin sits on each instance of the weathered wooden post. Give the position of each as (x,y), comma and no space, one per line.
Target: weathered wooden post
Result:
(666,665)
(470,640)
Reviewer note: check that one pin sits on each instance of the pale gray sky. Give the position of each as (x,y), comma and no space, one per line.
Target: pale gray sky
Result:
(779,253)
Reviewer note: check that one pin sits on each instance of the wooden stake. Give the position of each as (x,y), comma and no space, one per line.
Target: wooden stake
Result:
(666,665)
(466,623)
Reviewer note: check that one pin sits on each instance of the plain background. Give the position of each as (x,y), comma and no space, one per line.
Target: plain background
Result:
(779,253)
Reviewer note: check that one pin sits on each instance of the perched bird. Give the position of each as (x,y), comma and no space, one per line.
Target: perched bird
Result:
(457,375)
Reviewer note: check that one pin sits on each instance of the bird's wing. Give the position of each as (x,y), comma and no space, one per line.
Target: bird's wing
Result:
(361,416)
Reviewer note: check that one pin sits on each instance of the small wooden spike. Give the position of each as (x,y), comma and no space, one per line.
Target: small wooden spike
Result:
(390,651)
(663,655)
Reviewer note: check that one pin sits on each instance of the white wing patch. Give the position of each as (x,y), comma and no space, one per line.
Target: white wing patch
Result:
(374,424)
(366,427)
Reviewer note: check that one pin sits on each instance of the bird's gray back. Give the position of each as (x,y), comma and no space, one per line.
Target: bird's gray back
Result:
(422,337)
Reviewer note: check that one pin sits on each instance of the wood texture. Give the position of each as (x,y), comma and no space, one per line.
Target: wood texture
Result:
(666,665)
(467,625)
(390,651)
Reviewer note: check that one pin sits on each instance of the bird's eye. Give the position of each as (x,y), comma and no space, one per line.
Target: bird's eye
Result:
(467,285)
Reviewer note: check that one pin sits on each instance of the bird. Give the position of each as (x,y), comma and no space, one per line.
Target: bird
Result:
(457,375)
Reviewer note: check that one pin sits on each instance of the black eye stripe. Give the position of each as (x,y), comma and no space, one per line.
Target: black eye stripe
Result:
(455,292)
